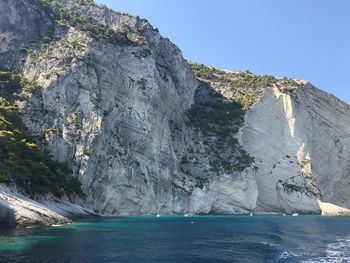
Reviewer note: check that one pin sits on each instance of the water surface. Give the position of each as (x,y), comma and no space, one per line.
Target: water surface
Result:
(184,239)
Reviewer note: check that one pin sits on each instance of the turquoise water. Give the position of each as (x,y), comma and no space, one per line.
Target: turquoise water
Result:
(184,239)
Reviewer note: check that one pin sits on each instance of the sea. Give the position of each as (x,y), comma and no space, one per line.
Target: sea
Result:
(183,239)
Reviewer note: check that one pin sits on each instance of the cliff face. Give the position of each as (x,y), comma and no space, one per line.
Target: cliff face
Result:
(298,137)
(22,24)
(122,107)
(303,156)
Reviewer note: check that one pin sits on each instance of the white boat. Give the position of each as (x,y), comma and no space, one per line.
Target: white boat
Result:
(158,215)
(296,214)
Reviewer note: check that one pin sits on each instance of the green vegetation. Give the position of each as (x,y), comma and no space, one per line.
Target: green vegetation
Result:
(204,72)
(217,118)
(305,162)
(289,188)
(100,32)
(248,80)
(287,90)
(92,27)
(12,86)
(48,132)
(21,161)
(289,83)
(201,182)
(246,88)
(243,79)
(246,101)
(309,188)
(218,123)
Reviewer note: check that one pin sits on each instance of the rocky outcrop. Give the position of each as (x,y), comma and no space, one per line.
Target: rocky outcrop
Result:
(147,133)
(298,136)
(17,210)
(118,113)
(333,210)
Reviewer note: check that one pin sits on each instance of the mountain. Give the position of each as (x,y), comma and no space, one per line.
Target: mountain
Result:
(102,97)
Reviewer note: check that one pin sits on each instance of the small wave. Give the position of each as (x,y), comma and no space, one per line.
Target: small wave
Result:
(286,255)
(336,252)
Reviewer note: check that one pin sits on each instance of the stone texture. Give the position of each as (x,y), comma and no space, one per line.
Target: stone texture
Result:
(300,142)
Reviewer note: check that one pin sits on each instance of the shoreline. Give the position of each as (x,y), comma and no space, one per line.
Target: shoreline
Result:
(19,211)
(82,218)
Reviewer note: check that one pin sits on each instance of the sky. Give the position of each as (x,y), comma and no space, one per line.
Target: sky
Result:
(306,39)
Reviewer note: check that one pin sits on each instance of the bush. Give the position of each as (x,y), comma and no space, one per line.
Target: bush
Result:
(90,26)
(245,87)
(218,122)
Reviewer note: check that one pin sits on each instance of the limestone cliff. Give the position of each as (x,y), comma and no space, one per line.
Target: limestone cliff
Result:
(298,135)
(146,132)
(303,157)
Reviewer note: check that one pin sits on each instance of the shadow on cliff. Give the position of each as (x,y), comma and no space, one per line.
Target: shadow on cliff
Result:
(7,217)
(215,121)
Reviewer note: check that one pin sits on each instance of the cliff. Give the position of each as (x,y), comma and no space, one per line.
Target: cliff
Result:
(146,132)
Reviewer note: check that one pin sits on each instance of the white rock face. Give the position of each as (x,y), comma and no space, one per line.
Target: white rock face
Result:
(235,195)
(300,143)
(118,115)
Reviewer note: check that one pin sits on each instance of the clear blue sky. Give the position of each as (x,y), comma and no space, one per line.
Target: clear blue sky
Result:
(308,39)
